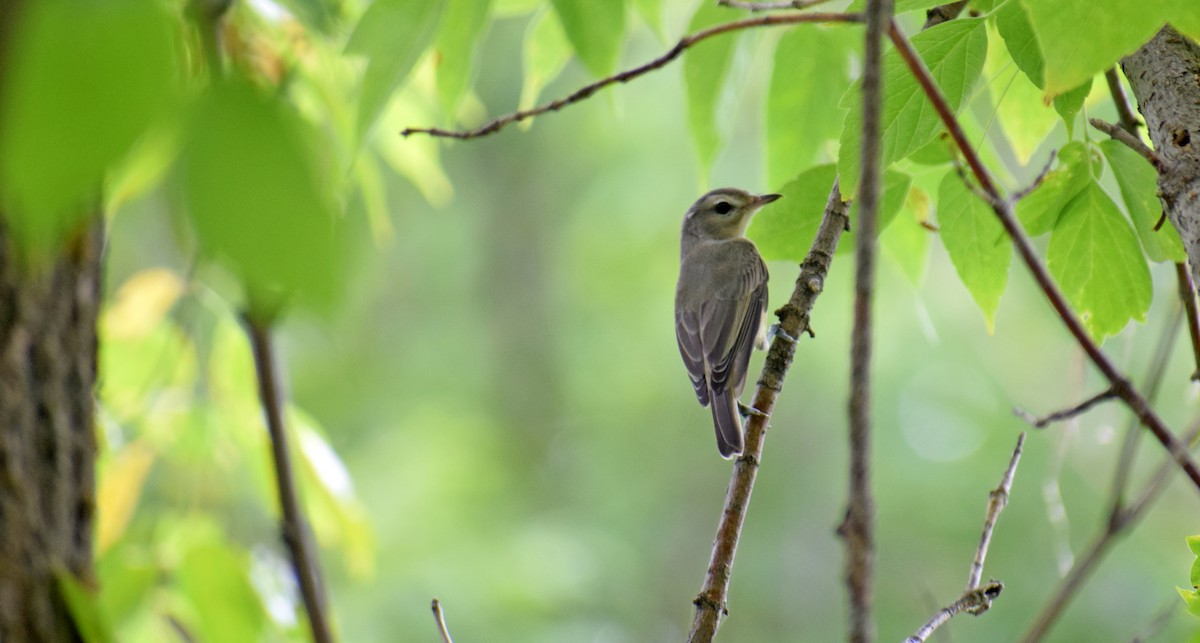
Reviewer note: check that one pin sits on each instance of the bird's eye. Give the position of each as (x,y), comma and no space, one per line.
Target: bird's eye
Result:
(723,207)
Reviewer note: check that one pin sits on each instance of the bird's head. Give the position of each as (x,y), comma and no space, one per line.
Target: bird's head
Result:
(723,213)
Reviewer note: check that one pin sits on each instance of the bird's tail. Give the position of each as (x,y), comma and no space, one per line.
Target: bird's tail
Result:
(728,423)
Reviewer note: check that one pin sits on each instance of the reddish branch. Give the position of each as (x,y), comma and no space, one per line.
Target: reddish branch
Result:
(584,92)
(1003,209)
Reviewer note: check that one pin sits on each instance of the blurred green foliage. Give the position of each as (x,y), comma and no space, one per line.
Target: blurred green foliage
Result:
(486,400)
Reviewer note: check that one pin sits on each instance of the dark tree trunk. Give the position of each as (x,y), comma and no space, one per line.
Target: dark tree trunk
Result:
(47,443)
(1165,77)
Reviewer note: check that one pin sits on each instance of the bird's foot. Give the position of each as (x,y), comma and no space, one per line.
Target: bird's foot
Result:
(746,410)
(776,331)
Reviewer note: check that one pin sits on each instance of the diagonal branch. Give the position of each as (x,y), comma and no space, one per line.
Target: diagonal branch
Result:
(493,126)
(793,320)
(1129,120)
(1187,297)
(770,6)
(1004,211)
(1065,414)
(1119,134)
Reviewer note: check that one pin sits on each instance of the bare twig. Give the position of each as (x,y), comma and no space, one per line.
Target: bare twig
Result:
(770,6)
(1119,517)
(977,599)
(294,527)
(793,319)
(1065,414)
(858,526)
(1129,121)
(440,620)
(1037,180)
(1187,297)
(1130,140)
(1004,211)
(943,13)
(586,91)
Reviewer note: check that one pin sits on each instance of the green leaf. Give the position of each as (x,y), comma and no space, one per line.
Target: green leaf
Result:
(810,66)
(1020,112)
(1191,598)
(651,12)
(1185,17)
(1193,543)
(391,34)
(595,28)
(1081,38)
(255,197)
(544,54)
(127,575)
(216,580)
(954,53)
(705,67)
(786,229)
(906,241)
(895,191)
(1068,104)
(978,246)
(455,47)
(84,608)
(1138,182)
(82,82)
(1098,263)
(1012,21)
(1039,211)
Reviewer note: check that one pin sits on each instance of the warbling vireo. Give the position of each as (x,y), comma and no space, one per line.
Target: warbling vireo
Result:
(721,304)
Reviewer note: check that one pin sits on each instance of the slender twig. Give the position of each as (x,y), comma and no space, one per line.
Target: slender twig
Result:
(1129,121)
(1187,296)
(294,527)
(977,599)
(1065,414)
(858,526)
(770,6)
(1004,211)
(584,92)
(440,620)
(793,319)
(1131,141)
(1037,180)
(1119,517)
(1160,620)
(943,13)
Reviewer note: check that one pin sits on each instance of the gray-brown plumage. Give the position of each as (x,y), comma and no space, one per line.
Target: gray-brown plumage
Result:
(721,304)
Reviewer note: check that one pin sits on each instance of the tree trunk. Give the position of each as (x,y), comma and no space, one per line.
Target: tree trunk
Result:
(1165,77)
(47,442)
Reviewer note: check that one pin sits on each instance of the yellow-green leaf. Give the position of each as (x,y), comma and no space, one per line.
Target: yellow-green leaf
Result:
(1137,180)
(455,46)
(705,67)
(595,28)
(978,246)
(1039,211)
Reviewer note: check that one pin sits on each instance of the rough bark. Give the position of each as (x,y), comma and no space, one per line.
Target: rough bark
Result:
(47,444)
(1165,77)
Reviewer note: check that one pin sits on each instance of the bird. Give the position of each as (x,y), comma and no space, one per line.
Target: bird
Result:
(721,304)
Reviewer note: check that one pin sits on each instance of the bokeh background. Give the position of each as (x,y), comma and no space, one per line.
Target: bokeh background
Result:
(496,415)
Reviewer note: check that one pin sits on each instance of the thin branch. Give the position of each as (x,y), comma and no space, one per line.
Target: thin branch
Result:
(943,13)
(1187,296)
(1119,518)
(1130,140)
(770,6)
(1004,211)
(1129,121)
(857,529)
(977,599)
(440,621)
(294,527)
(586,91)
(1037,181)
(1065,414)
(997,501)
(793,320)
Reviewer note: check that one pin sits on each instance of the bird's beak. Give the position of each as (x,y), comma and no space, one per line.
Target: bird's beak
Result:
(764,199)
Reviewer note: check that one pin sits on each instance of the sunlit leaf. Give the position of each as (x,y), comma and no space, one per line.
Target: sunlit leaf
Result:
(391,34)
(1069,103)
(216,580)
(119,490)
(1020,112)
(1138,182)
(543,56)
(705,67)
(127,575)
(1081,38)
(651,12)
(810,67)
(954,53)
(455,46)
(1012,21)
(86,615)
(1040,210)
(416,158)
(142,302)
(1095,256)
(82,81)
(254,195)
(595,28)
(977,244)
(1185,18)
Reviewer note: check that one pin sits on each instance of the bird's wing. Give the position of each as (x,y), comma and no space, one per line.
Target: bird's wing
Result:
(687,332)
(730,324)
